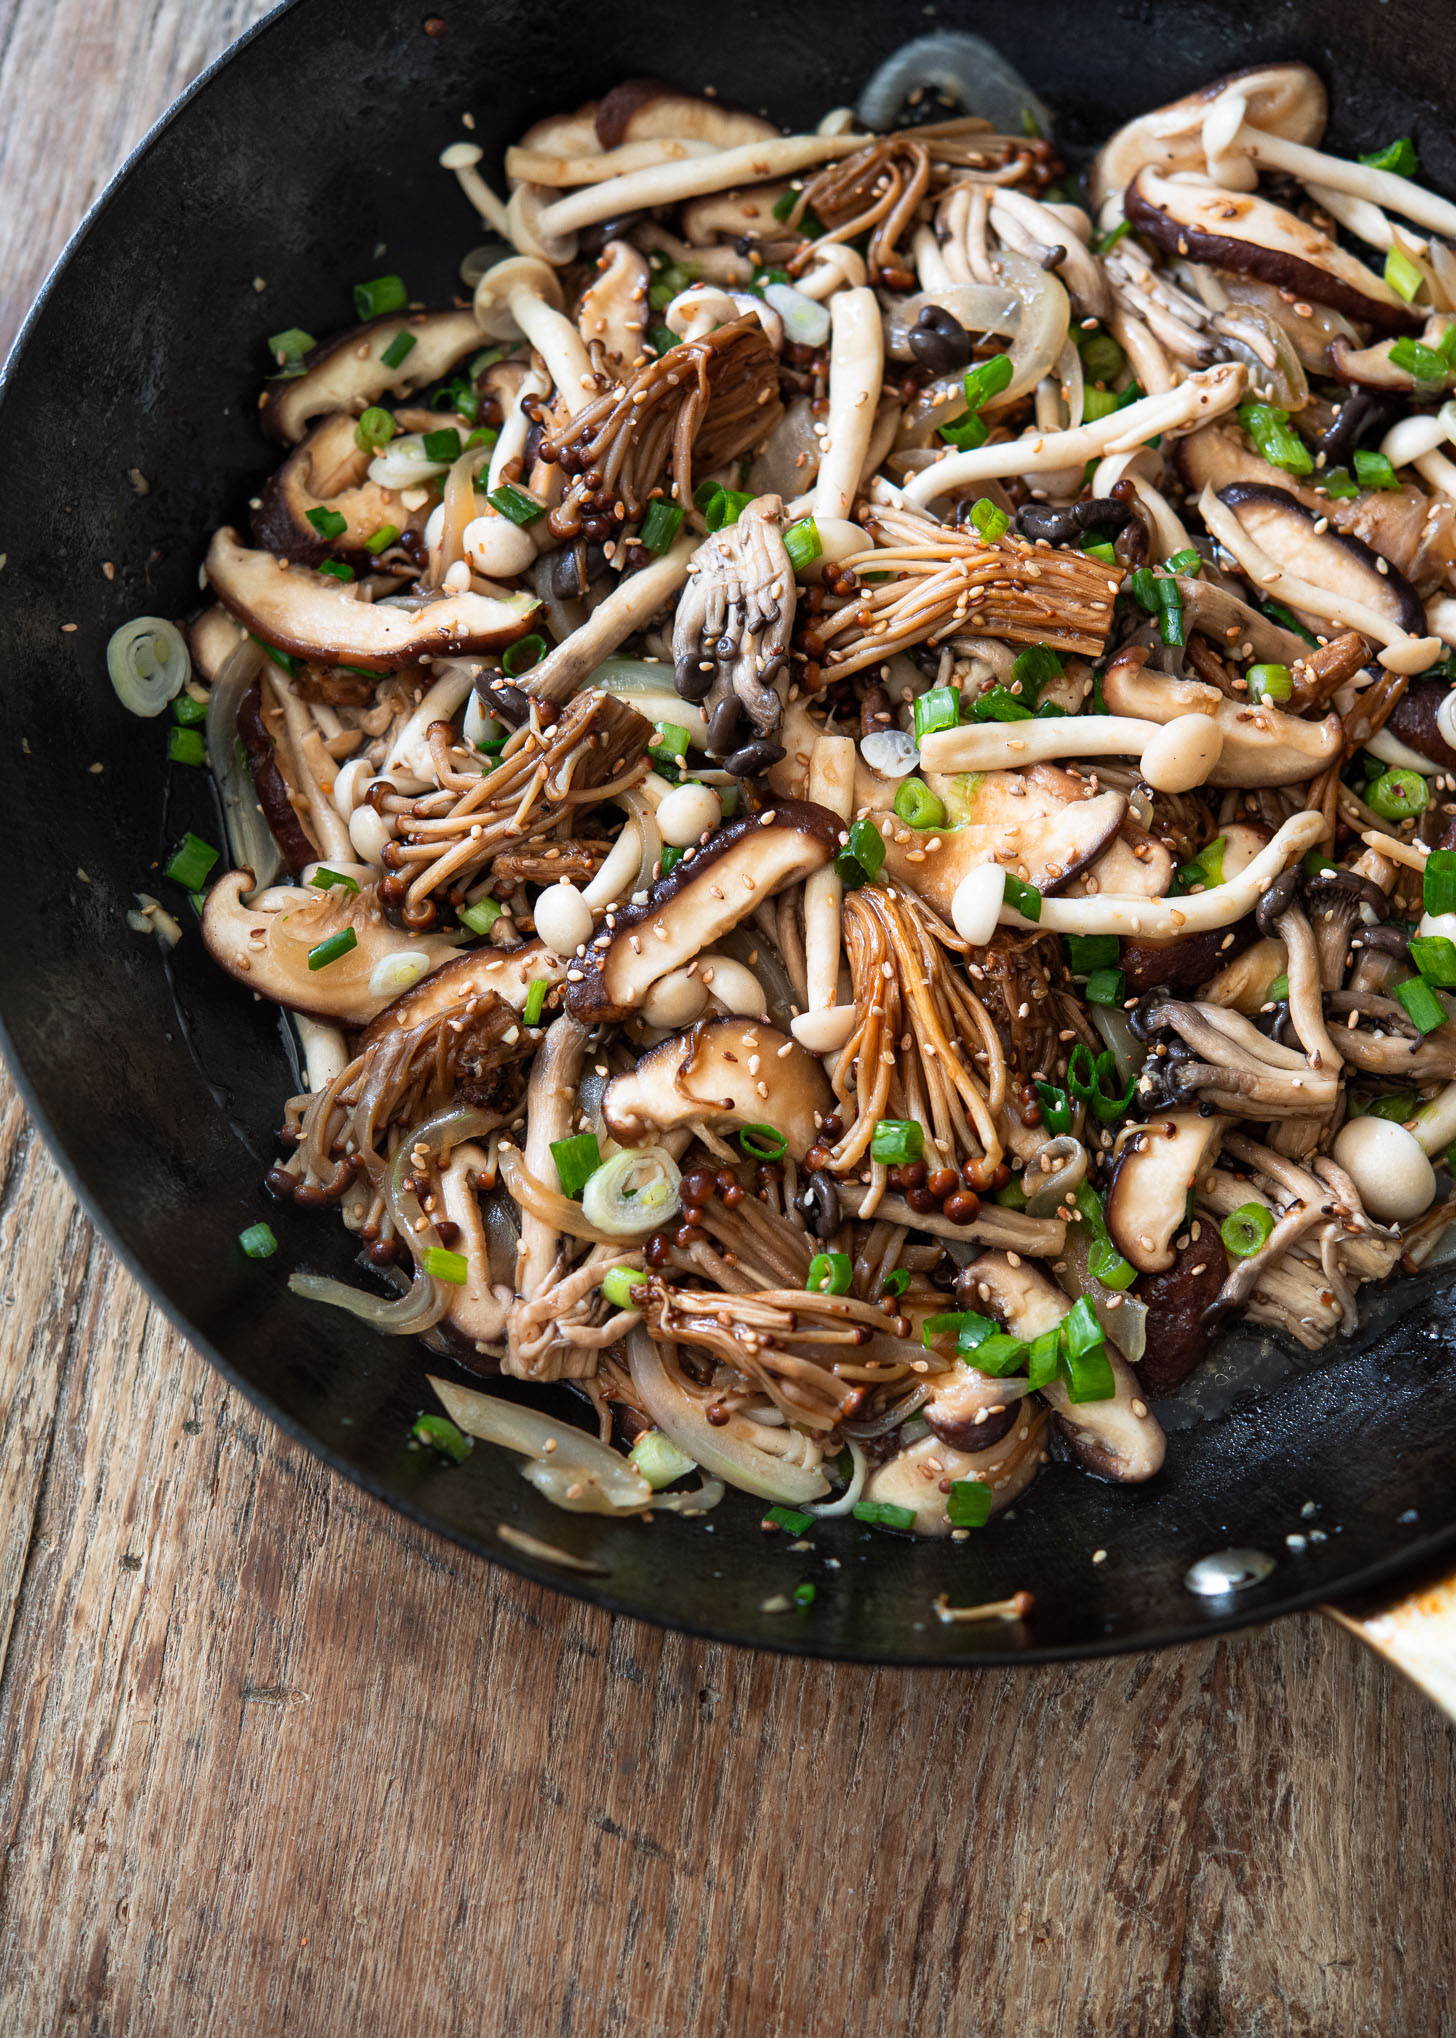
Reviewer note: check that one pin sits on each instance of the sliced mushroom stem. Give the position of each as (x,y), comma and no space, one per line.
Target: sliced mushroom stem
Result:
(325,825)
(1176,756)
(668,183)
(629,607)
(831,785)
(856,368)
(1380,187)
(1204,395)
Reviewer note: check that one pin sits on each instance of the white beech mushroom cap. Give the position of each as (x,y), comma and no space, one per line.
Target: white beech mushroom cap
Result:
(563,919)
(1387,1165)
(688,813)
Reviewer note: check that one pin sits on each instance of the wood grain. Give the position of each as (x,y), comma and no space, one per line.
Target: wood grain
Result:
(274,1761)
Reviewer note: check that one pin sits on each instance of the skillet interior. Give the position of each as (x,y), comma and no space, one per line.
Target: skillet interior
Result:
(307,148)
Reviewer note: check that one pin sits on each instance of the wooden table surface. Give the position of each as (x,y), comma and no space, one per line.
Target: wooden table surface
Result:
(273,1760)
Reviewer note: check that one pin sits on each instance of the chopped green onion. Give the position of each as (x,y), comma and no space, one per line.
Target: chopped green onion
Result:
(395,353)
(664,339)
(258,1241)
(917,805)
(1244,1230)
(1102,358)
(661,525)
(1399,157)
(1104,1262)
(1035,667)
(1269,429)
(190,862)
(969,1503)
(535,1003)
(1403,276)
(1428,367)
(862,858)
(1023,898)
(1288,620)
(375,429)
(1091,951)
(442,1435)
(1206,868)
(1088,1373)
(480,917)
(1269,682)
(1373,470)
(955,1323)
(791,1520)
(1397,795)
(830,1274)
(618,1283)
(185,746)
(1142,585)
(1111,238)
(443,1265)
(1044,1358)
(188,711)
(1087,1080)
(289,347)
(328,523)
(1423,1008)
(1339,485)
(443,444)
(762,1142)
(938,709)
(1438,882)
(1096,405)
(514,503)
(381,540)
(669,740)
(804,1593)
(672,856)
(483,435)
(1435,957)
(324,879)
(1102,551)
(1397,1107)
(725,507)
(523,654)
(336,569)
(896,1282)
(1000,1355)
(987,379)
(333,949)
(384,294)
(1314,863)
(1106,987)
(577,1160)
(966,434)
(884,1514)
(897,1141)
(998,704)
(283,659)
(990,521)
(1278,991)
(1056,1109)
(1189,564)
(659,1460)
(803,544)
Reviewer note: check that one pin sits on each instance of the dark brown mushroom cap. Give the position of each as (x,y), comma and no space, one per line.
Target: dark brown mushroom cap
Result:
(1241,231)
(1331,559)
(1148,1196)
(1176,1301)
(721,1072)
(1185,964)
(268,783)
(325,469)
(506,973)
(645,109)
(312,616)
(349,372)
(967,1410)
(698,900)
(1412,721)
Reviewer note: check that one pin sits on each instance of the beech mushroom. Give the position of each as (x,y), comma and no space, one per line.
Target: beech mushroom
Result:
(313,617)
(351,372)
(1389,1167)
(1157,1169)
(824,1025)
(722,1073)
(522,298)
(1260,745)
(694,905)
(856,364)
(1176,756)
(268,947)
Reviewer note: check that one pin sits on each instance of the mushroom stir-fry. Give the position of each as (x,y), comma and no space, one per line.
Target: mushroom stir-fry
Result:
(849,771)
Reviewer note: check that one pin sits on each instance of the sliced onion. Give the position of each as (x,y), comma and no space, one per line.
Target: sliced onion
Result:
(637,1190)
(891,752)
(549,1205)
(251,842)
(967,69)
(789,462)
(574,1471)
(1123,1317)
(1059,1181)
(149,664)
(1040,331)
(979,307)
(1116,1029)
(474,265)
(806,323)
(620,674)
(760,1465)
(854,1491)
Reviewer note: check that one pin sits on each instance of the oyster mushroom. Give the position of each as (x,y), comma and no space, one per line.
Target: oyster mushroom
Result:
(326,469)
(1260,745)
(1234,1066)
(692,906)
(1117,1438)
(1240,231)
(267,947)
(212,638)
(522,298)
(721,1073)
(350,373)
(613,313)
(477,1310)
(1050,832)
(1147,1200)
(315,618)
(730,637)
(1287,99)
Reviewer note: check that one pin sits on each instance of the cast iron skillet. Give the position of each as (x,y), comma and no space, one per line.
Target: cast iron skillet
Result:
(307,157)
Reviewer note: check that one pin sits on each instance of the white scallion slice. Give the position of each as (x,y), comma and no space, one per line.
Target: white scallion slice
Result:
(806,321)
(635,1191)
(891,752)
(149,664)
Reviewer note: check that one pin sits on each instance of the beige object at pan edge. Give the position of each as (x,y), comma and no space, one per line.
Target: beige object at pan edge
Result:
(1416,1632)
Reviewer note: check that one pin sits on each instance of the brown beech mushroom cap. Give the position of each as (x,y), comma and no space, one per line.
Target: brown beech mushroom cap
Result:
(1261,746)
(721,1072)
(326,469)
(269,951)
(693,905)
(1148,1198)
(505,973)
(1331,559)
(1240,231)
(1285,99)
(644,109)
(350,372)
(317,618)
